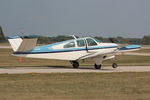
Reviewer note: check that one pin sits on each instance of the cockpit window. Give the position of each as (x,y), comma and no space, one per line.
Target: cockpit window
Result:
(91,42)
(69,45)
(80,43)
(98,41)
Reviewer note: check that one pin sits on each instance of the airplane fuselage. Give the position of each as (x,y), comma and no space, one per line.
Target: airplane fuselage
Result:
(69,50)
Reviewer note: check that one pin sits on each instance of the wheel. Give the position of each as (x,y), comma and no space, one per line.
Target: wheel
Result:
(97,66)
(114,65)
(75,64)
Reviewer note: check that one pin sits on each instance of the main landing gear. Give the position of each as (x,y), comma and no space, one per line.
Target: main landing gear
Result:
(97,66)
(75,64)
(114,65)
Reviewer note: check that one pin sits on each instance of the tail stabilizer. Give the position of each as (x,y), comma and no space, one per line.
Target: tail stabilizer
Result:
(15,42)
(28,43)
(23,44)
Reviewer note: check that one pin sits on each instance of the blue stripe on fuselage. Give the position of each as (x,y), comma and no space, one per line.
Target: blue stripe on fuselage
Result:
(67,50)
(47,48)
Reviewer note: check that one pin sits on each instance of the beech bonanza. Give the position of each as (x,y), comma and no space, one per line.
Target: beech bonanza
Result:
(70,50)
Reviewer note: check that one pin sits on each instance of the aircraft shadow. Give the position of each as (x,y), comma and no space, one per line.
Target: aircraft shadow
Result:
(65,67)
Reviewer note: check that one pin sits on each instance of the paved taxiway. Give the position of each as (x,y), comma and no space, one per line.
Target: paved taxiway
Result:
(5,47)
(23,70)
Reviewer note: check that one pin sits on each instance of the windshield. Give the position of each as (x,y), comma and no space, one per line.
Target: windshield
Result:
(91,42)
(98,41)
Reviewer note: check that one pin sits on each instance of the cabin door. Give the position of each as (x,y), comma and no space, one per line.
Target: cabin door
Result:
(90,44)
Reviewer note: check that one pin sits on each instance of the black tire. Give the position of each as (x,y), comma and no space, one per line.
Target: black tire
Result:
(75,64)
(97,66)
(114,65)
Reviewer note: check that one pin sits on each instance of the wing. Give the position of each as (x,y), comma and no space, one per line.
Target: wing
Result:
(128,48)
(94,54)
(112,53)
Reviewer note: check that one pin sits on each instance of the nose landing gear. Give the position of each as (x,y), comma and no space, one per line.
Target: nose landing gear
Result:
(114,65)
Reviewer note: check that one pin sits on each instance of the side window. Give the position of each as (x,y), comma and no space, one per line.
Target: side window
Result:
(80,43)
(69,45)
(91,42)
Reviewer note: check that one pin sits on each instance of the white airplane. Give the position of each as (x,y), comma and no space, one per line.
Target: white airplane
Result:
(70,50)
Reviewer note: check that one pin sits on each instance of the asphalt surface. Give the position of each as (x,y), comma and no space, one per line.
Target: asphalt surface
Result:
(5,47)
(109,69)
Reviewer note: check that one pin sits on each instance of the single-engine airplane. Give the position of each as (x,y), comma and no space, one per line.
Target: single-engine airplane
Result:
(70,50)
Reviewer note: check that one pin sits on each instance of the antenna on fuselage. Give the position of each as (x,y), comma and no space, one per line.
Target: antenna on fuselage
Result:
(74,36)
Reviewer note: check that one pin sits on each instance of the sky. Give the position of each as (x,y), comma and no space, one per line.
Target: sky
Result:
(106,18)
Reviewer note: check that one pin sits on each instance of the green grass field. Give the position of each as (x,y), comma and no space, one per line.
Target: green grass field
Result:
(73,86)
(6,59)
(4,44)
(143,51)
(83,86)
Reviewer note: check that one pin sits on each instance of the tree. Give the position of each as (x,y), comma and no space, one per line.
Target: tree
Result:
(146,40)
(2,37)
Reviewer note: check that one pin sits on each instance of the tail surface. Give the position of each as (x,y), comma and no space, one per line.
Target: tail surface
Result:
(15,42)
(23,44)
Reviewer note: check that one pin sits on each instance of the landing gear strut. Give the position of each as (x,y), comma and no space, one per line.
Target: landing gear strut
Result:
(114,65)
(97,66)
(75,64)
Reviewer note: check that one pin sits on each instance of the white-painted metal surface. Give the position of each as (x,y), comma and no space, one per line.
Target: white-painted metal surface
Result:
(15,43)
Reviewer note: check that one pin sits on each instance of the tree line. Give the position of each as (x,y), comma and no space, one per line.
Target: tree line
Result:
(2,37)
(121,40)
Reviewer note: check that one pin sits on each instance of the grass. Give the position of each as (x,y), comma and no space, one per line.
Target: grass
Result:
(73,86)
(4,44)
(83,86)
(6,59)
(145,45)
(143,51)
